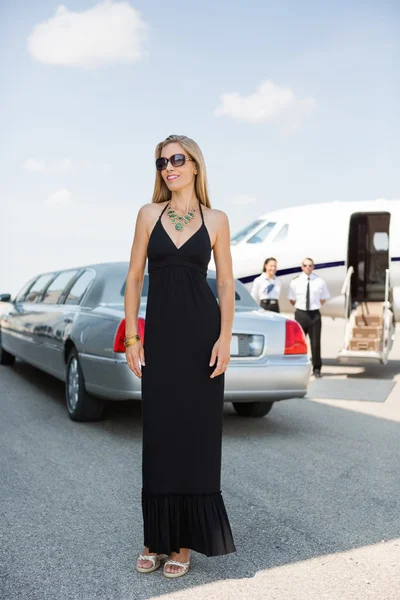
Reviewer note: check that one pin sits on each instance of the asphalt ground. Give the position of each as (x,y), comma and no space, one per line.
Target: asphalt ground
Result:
(312,491)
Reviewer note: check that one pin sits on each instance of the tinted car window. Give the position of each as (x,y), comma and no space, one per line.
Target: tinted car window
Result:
(36,291)
(20,297)
(118,295)
(56,287)
(213,285)
(79,288)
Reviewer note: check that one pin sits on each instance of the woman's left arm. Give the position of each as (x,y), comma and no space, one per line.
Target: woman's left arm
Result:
(226,295)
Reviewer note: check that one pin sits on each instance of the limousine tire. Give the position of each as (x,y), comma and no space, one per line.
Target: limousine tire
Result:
(252,409)
(5,357)
(80,405)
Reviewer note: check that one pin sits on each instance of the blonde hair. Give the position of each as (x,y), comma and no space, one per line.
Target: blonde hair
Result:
(161,192)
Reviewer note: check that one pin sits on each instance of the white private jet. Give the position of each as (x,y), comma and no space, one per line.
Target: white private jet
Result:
(356,249)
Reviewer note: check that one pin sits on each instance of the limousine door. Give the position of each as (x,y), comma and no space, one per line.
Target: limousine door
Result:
(23,319)
(60,310)
(11,330)
(49,332)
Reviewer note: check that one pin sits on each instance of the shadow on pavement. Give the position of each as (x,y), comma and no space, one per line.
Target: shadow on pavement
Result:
(371,371)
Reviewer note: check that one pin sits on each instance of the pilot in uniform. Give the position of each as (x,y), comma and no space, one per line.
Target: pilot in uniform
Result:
(308,292)
(267,287)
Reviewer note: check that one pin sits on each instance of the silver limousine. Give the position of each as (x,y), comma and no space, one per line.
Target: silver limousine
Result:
(71,324)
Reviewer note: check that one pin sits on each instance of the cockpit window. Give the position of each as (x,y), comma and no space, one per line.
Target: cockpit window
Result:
(282,235)
(262,234)
(240,235)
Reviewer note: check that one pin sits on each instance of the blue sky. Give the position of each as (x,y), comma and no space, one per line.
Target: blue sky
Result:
(81,125)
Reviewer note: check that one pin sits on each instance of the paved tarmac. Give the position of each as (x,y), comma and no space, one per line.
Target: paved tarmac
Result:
(312,491)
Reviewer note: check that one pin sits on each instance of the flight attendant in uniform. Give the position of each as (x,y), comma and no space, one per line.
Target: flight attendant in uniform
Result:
(267,287)
(308,292)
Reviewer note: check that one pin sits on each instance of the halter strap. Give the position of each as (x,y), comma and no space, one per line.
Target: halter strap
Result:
(201,212)
(163,210)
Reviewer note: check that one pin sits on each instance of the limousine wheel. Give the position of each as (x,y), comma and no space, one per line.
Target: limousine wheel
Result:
(5,357)
(81,406)
(252,409)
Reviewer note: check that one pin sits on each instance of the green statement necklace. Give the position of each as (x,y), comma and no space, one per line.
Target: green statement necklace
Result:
(178,221)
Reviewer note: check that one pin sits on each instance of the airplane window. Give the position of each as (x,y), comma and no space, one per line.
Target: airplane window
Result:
(261,235)
(381,241)
(282,235)
(238,237)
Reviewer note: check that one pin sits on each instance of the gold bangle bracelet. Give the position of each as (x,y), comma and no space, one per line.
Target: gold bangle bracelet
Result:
(132,337)
(131,342)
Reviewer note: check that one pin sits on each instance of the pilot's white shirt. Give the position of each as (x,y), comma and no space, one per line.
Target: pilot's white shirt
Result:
(260,284)
(298,291)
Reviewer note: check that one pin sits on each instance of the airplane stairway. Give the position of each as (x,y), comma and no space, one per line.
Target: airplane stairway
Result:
(367,330)
(369,327)
(369,333)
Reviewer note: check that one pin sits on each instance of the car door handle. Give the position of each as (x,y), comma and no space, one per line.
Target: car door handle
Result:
(67,320)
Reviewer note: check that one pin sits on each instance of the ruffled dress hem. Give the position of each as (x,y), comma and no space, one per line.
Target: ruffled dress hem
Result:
(196,521)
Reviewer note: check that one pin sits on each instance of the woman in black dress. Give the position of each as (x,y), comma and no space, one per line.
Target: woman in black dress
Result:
(182,360)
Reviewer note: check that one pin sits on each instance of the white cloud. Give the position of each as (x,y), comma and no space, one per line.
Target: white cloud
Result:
(270,103)
(61,196)
(37,166)
(242,199)
(65,165)
(109,32)
(41,166)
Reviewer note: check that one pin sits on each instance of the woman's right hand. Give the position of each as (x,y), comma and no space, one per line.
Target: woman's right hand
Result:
(133,354)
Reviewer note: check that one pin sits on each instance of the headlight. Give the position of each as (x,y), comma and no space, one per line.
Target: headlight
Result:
(256,345)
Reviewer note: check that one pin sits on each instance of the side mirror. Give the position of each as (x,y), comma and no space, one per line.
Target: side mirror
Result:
(5,297)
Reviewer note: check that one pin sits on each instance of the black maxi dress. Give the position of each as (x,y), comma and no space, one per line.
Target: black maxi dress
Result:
(181,405)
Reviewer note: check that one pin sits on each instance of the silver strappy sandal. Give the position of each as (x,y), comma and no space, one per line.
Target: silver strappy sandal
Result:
(185,569)
(153,558)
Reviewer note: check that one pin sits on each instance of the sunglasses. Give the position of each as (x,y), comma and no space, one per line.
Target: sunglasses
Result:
(176,160)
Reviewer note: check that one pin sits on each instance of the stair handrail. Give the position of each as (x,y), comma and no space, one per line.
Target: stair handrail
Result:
(346,291)
(386,308)
(346,282)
